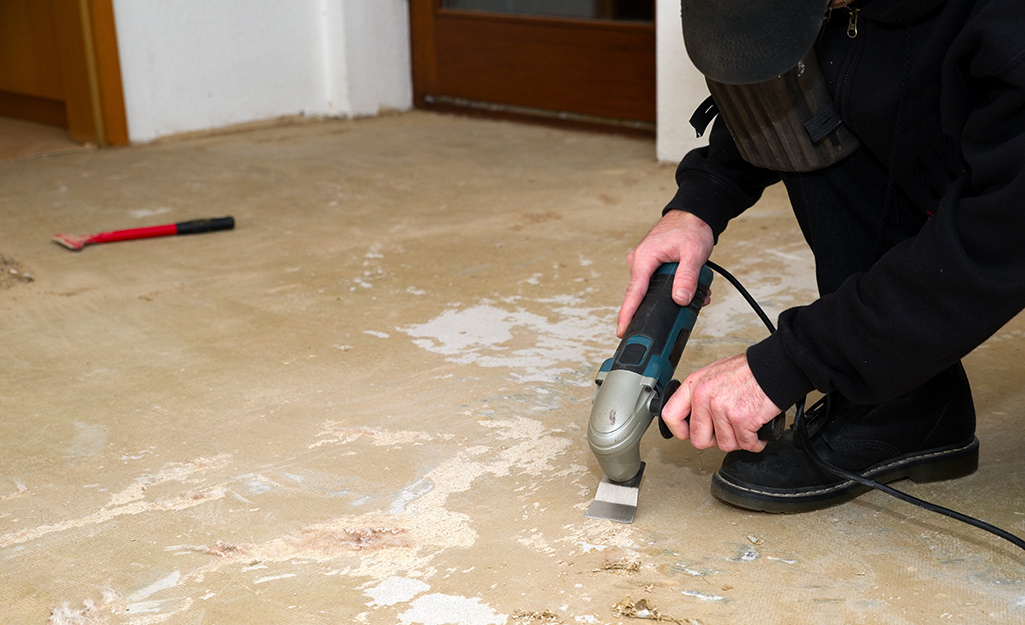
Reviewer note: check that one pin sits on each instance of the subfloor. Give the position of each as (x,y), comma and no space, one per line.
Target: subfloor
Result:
(367,403)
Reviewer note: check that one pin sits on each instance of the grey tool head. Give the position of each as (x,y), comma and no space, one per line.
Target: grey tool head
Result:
(619,417)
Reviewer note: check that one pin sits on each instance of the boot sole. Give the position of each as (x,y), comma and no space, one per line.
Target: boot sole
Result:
(934,465)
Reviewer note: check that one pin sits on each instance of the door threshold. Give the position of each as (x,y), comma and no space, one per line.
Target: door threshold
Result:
(531,114)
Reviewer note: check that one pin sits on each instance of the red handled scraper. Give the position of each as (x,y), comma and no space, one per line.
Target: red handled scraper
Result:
(77,241)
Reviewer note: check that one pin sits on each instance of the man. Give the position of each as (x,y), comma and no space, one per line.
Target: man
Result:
(918,238)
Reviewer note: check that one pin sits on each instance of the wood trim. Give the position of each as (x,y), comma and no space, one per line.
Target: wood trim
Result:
(107,65)
(421,39)
(93,94)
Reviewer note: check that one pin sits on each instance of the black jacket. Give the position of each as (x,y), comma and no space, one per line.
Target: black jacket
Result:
(955,71)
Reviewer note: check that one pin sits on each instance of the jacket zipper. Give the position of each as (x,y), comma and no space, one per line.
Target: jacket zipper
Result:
(852,22)
(849,60)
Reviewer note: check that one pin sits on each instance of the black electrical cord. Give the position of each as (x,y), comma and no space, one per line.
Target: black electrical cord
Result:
(800,424)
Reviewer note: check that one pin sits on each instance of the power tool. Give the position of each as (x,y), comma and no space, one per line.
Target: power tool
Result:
(635,384)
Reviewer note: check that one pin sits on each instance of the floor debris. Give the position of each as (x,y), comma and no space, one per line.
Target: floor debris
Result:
(12,273)
(529,618)
(623,564)
(642,610)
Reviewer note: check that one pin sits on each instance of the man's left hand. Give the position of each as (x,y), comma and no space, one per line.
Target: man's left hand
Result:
(726,407)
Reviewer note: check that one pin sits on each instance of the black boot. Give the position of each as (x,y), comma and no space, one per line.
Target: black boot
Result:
(927,435)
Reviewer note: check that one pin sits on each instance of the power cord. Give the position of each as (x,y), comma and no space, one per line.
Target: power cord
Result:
(801,426)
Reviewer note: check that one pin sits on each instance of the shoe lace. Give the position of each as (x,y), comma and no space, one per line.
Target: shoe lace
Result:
(833,405)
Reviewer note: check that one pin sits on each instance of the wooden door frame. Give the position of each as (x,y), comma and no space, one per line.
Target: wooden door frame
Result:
(95,95)
(432,88)
(93,106)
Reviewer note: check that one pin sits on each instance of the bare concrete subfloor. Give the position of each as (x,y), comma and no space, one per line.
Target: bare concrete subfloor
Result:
(367,403)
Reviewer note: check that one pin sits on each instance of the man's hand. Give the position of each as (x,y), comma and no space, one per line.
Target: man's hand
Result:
(679,237)
(726,407)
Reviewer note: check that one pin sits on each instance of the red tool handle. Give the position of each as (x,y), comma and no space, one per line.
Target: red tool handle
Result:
(185,227)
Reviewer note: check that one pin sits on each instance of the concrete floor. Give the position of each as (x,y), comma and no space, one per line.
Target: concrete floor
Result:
(367,403)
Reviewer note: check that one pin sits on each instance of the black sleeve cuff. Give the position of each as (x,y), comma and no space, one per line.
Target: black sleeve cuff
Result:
(780,378)
(706,198)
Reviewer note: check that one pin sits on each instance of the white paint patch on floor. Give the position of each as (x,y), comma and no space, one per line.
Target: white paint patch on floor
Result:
(129,501)
(395,590)
(539,346)
(440,609)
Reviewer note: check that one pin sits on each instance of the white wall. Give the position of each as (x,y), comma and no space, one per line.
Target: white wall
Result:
(377,49)
(194,65)
(680,86)
(199,64)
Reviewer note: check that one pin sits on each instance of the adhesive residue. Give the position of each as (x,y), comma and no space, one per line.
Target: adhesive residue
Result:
(395,590)
(127,501)
(338,433)
(400,543)
(542,348)
(437,609)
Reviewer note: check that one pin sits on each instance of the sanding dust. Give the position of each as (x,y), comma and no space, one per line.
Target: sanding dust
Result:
(314,543)
(12,273)
(529,618)
(91,612)
(641,609)
(129,501)
(176,503)
(338,433)
(182,472)
(623,565)
(20,489)
(377,545)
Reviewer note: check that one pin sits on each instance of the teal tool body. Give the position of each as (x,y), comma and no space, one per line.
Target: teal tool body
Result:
(635,384)
(636,378)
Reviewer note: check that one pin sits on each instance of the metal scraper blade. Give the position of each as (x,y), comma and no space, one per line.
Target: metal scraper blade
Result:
(616,501)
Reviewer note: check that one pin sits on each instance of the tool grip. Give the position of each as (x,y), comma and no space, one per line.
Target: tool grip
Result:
(658,332)
(197,226)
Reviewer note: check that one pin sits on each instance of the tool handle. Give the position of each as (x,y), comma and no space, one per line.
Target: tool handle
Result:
(132,234)
(166,230)
(205,225)
(771,431)
(658,332)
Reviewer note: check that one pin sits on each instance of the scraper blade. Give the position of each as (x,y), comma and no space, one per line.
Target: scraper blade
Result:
(616,501)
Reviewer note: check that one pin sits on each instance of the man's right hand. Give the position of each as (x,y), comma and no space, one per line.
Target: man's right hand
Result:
(679,237)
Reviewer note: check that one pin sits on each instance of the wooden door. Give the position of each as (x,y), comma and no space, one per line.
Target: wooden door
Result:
(598,68)
(59,65)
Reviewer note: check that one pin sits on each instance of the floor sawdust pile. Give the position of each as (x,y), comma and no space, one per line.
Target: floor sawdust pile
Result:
(12,273)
